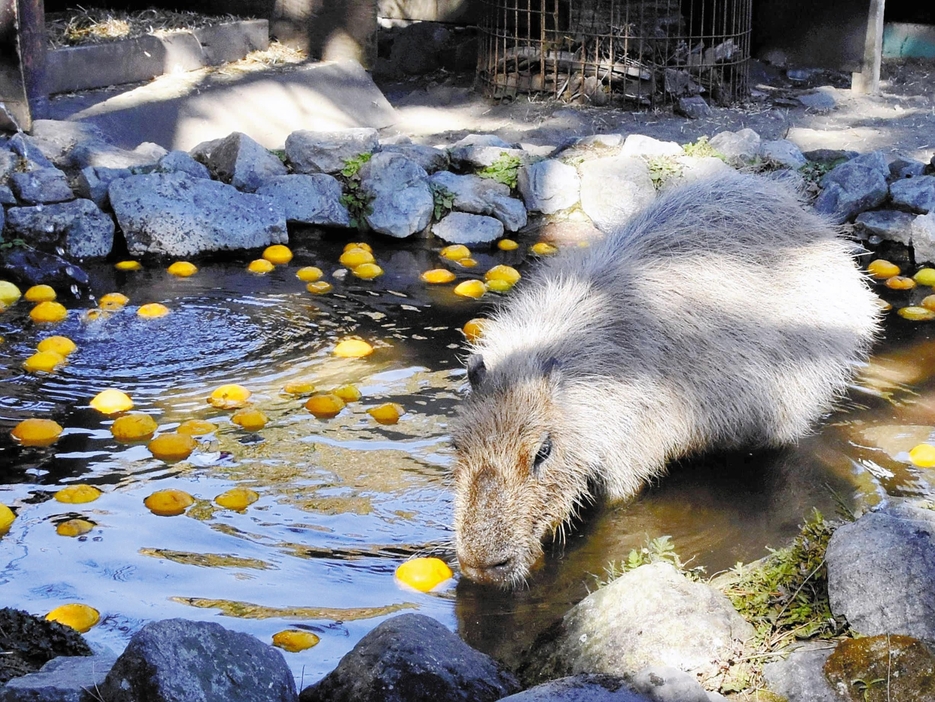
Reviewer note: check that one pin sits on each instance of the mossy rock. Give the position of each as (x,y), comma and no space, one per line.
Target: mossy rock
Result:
(27,643)
(882,668)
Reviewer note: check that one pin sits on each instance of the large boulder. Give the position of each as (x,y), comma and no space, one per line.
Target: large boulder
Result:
(482,196)
(244,163)
(308,199)
(579,688)
(401,201)
(800,676)
(922,232)
(412,658)
(429,157)
(41,186)
(739,148)
(327,152)
(177,215)
(29,266)
(854,187)
(176,660)
(784,153)
(891,225)
(62,679)
(465,228)
(914,194)
(614,189)
(79,227)
(94,183)
(548,186)
(652,615)
(99,153)
(482,150)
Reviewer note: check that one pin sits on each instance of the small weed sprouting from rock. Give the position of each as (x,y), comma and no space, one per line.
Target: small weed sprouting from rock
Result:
(658,550)
(11,243)
(444,201)
(356,202)
(504,170)
(662,168)
(702,149)
(280,154)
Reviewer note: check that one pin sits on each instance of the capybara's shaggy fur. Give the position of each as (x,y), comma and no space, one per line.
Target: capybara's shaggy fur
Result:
(723,315)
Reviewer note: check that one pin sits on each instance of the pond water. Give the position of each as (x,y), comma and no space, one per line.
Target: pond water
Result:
(344,501)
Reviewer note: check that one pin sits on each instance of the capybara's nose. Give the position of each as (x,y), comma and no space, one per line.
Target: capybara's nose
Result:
(488,571)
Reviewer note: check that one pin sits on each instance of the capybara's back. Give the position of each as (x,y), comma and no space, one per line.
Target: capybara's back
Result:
(723,315)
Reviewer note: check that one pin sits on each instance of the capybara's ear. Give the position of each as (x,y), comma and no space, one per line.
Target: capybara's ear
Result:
(476,370)
(551,365)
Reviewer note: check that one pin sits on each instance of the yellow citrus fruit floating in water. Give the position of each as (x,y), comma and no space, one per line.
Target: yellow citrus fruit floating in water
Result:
(36,432)
(6,519)
(128,265)
(319,287)
(250,419)
(358,245)
(423,574)
(916,314)
(499,286)
(59,344)
(387,413)
(471,288)
(928,302)
(260,266)
(46,361)
(899,282)
(348,393)
(40,293)
(231,396)
(182,269)
(466,262)
(881,268)
(133,427)
(77,494)
(237,499)
(309,274)
(923,456)
(455,252)
(925,276)
(353,348)
(111,401)
(278,254)
(367,271)
(299,387)
(196,427)
(113,301)
(507,245)
(152,310)
(169,503)
(544,248)
(9,293)
(74,527)
(294,640)
(49,312)
(79,617)
(355,257)
(324,405)
(437,275)
(172,446)
(506,273)
(473,328)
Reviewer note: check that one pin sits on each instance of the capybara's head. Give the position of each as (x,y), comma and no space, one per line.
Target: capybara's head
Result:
(518,475)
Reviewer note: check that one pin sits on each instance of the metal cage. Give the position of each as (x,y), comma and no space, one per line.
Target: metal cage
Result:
(639,52)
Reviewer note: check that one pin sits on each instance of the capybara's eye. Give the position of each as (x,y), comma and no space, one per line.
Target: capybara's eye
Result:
(545,448)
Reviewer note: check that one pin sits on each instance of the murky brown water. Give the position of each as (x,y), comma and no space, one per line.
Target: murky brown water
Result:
(344,501)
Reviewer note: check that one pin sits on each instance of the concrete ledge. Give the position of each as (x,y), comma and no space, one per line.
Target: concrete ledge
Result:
(137,60)
(901,40)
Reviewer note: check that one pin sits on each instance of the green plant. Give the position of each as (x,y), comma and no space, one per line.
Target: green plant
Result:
(504,170)
(702,148)
(658,550)
(11,243)
(279,153)
(865,686)
(353,165)
(444,200)
(661,168)
(354,199)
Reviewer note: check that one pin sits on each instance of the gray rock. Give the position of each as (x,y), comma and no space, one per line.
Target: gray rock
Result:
(430,158)
(29,150)
(412,658)
(57,138)
(239,160)
(465,228)
(693,107)
(327,152)
(614,189)
(8,162)
(33,267)
(783,152)
(738,147)
(891,225)
(402,201)
(99,153)
(482,196)
(876,570)
(548,186)
(308,199)
(652,615)
(902,167)
(639,145)
(482,150)
(854,187)
(601,141)
(579,688)
(94,182)
(177,215)
(662,683)
(40,186)
(176,660)
(821,100)
(801,676)
(694,168)
(6,195)
(79,227)
(923,238)
(916,194)
(182,162)
(830,156)
(62,679)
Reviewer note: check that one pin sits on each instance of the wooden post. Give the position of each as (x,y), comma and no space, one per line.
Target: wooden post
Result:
(22,63)
(868,80)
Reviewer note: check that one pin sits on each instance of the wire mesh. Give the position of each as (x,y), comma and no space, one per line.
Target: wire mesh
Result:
(642,52)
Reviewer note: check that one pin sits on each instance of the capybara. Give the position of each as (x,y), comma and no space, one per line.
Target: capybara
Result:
(723,315)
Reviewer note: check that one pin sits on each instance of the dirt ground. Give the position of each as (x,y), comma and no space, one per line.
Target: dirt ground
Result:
(901,119)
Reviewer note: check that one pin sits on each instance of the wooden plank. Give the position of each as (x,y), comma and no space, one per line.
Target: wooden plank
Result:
(868,80)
